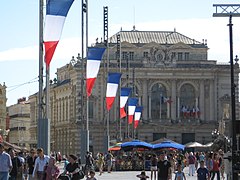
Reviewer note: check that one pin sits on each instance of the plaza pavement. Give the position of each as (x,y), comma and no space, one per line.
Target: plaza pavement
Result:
(131,175)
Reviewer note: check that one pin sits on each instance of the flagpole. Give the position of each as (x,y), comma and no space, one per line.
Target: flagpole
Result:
(105,39)
(119,65)
(40,93)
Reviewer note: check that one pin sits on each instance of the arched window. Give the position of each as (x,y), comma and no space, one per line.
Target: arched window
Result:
(158,105)
(1,92)
(187,99)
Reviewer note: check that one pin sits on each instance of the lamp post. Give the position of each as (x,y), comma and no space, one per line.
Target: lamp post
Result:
(231,10)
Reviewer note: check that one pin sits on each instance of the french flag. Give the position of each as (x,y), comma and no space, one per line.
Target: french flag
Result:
(123,100)
(56,12)
(137,115)
(94,57)
(112,87)
(132,103)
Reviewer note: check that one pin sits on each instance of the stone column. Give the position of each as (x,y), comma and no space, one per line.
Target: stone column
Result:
(173,99)
(149,102)
(211,94)
(168,110)
(179,110)
(145,100)
(202,98)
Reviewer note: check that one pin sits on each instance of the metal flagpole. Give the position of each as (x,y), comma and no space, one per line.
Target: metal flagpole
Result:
(40,96)
(85,129)
(120,70)
(105,39)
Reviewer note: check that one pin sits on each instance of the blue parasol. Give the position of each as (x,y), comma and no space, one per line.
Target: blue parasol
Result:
(168,144)
(128,146)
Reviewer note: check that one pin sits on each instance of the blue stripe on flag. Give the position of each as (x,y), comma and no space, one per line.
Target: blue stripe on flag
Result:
(138,109)
(114,78)
(125,91)
(58,7)
(132,101)
(95,53)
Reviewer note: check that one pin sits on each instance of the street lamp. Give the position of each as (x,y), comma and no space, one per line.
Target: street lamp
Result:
(215,133)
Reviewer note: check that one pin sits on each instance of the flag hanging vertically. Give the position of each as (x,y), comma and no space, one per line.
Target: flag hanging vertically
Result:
(56,12)
(132,103)
(123,100)
(94,57)
(112,86)
(137,115)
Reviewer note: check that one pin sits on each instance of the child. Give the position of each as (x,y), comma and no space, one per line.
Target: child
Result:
(179,174)
(91,175)
(142,176)
(203,172)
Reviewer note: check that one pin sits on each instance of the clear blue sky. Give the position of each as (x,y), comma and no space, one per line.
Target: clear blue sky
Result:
(19,33)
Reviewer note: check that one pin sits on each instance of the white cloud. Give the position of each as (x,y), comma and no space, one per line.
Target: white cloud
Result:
(215,30)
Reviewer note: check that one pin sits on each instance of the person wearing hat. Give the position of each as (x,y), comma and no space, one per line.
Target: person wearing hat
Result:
(5,165)
(164,168)
(143,176)
(73,168)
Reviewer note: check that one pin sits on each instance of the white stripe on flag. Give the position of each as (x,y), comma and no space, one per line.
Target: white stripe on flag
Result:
(123,101)
(92,68)
(111,89)
(53,28)
(131,110)
(137,116)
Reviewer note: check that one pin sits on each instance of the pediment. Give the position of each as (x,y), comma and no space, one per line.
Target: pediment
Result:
(126,44)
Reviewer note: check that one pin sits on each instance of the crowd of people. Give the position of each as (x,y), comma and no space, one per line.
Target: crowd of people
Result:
(164,165)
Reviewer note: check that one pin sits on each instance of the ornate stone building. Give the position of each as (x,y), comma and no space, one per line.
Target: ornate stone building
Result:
(19,123)
(184,95)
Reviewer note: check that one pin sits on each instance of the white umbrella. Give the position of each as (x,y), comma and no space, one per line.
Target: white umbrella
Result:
(193,145)
(208,144)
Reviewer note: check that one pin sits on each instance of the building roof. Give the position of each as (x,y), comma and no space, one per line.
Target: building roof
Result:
(161,37)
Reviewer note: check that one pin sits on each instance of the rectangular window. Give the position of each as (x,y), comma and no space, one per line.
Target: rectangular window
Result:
(145,54)
(180,56)
(124,55)
(131,55)
(186,55)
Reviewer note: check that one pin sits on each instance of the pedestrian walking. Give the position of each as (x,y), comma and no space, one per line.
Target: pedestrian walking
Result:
(202,172)
(5,165)
(109,159)
(153,167)
(164,168)
(16,172)
(40,165)
(30,163)
(52,170)
(180,175)
(191,164)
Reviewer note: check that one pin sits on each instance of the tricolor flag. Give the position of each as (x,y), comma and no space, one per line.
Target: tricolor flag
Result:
(137,115)
(132,103)
(94,57)
(112,86)
(56,13)
(123,100)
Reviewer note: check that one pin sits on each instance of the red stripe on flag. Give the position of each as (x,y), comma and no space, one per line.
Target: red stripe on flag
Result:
(90,83)
(109,102)
(49,51)
(122,113)
(136,124)
(130,119)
